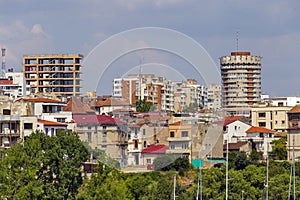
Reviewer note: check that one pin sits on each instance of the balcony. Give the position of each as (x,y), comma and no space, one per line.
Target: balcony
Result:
(179,139)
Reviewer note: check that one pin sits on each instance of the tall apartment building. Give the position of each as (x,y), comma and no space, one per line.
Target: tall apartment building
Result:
(241,82)
(214,97)
(57,74)
(157,90)
(189,93)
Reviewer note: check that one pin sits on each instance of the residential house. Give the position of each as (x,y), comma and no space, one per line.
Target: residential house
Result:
(236,147)
(103,105)
(50,128)
(261,138)
(235,130)
(152,152)
(135,145)
(271,116)
(104,132)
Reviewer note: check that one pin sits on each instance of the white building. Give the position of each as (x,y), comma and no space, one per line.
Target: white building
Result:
(214,97)
(235,131)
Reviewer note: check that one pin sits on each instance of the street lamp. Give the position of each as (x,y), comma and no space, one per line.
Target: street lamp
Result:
(243,194)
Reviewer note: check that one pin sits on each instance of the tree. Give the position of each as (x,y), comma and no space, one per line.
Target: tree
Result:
(143,105)
(241,160)
(279,149)
(254,157)
(43,168)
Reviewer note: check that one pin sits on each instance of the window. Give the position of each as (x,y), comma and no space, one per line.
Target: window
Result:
(144,131)
(148,161)
(136,143)
(27,126)
(262,124)
(46,131)
(145,144)
(275,121)
(184,133)
(6,112)
(172,146)
(282,122)
(172,134)
(261,115)
(185,146)
(61,120)
(104,135)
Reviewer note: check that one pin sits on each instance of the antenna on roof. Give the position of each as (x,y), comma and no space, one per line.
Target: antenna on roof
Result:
(237,41)
(3,50)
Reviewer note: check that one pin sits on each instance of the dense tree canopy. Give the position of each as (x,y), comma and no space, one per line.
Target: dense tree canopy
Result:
(43,167)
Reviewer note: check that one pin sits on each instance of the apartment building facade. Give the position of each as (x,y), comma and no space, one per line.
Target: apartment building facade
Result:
(241,82)
(270,116)
(57,74)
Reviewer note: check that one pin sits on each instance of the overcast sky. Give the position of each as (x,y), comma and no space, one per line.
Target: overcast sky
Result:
(270,29)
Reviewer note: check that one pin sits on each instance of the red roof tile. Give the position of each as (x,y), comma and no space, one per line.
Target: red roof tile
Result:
(255,129)
(156,149)
(50,123)
(85,119)
(6,82)
(104,119)
(76,106)
(99,102)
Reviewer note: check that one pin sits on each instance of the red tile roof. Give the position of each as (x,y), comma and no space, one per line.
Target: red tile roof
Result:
(76,106)
(230,119)
(41,99)
(96,119)
(156,149)
(104,119)
(99,102)
(50,123)
(85,119)
(6,82)
(255,129)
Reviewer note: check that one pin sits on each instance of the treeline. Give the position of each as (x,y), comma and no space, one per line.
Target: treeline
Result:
(44,167)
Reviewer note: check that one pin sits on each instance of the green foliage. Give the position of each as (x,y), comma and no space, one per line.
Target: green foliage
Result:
(44,168)
(102,157)
(143,106)
(170,162)
(241,160)
(279,149)
(254,157)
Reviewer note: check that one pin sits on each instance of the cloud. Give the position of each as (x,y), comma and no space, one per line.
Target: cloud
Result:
(20,39)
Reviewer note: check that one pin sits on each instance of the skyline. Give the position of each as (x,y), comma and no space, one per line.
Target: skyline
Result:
(269,29)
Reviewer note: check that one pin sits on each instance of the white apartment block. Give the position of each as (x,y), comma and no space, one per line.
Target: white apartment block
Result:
(13,85)
(214,97)
(284,101)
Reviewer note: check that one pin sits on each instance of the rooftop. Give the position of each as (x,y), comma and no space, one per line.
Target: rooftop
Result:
(156,149)
(255,129)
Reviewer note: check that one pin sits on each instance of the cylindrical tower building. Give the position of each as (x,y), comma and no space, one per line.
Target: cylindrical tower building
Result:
(241,82)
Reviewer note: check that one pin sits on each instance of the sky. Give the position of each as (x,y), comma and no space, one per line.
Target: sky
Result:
(270,29)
